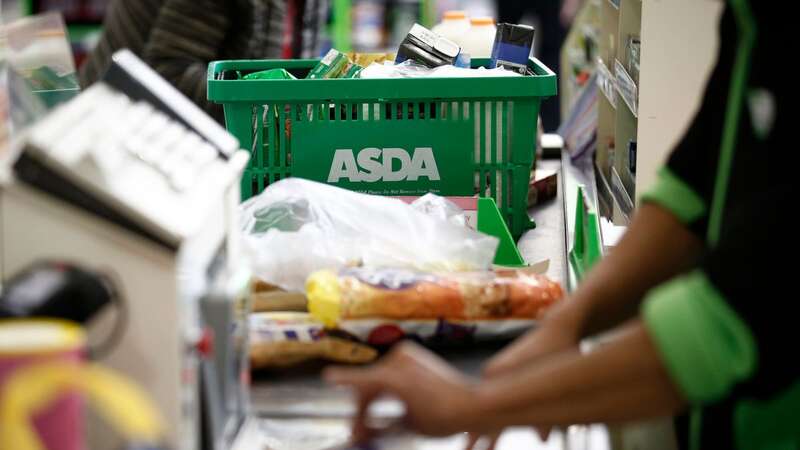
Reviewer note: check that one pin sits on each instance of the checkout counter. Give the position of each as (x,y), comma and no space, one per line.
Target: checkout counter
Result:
(107,178)
(297,410)
(180,277)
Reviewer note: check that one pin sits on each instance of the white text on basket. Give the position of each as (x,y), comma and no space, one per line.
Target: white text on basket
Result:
(374,164)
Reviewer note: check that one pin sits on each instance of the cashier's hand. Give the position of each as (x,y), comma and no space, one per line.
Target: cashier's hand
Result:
(437,397)
(551,337)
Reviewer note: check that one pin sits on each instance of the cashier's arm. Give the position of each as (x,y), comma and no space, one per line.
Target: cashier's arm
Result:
(618,381)
(622,379)
(656,247)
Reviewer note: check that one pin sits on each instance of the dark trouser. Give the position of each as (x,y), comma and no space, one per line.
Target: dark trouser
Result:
(550,34)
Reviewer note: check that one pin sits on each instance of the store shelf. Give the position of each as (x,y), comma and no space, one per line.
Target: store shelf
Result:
(609,31)
(621,197)
(604,194)
(626,88)
(607,83)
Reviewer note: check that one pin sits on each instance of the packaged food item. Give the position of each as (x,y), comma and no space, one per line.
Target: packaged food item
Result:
(480,39)
(400,294)
(331,66)
(454,26)
(411,69)
(463,60)
(279,340)
(271,74)
(352,71)
(427,48)
(436,332)
(269,298)
(542,187)
(365,59)
(512,47)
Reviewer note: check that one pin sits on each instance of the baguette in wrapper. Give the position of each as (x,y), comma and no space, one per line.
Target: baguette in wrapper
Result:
(399,294)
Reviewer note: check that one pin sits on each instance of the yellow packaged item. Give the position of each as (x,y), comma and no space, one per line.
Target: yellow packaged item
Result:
(400,294)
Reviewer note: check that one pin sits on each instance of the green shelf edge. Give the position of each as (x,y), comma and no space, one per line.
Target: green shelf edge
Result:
(491,222)
(587,246)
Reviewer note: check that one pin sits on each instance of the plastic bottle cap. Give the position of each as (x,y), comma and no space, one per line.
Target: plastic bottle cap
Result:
(482,21)
(455,15)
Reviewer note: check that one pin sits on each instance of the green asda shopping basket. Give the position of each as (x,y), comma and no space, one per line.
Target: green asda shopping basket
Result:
(400,137)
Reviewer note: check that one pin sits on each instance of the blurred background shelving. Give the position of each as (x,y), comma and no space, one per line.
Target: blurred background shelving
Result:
(651,60)
(617,131)
(360,25)
(380,25)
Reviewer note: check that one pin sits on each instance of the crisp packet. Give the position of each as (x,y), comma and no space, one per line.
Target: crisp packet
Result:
(352,71)
(271,74)
(365,59)
(331,66)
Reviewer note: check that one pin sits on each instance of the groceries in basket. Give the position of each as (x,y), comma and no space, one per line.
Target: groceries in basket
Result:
(454,26)
(427,48)
(333,64)
(353,70)
(424,53)
(283,339)
(512,47)
(478,42)
(271,74)
(346,65)
(389,137)
(411,69)
(365,59)
(401,294)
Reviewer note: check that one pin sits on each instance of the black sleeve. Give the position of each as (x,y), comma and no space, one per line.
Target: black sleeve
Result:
(753,267)
(695,156)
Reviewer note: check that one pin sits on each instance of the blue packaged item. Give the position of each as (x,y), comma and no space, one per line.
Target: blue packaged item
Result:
(463,60)
(512,47)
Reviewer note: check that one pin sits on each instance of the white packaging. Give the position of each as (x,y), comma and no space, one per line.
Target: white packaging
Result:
(296,227)
(454,26)
(411,69)
(480,38)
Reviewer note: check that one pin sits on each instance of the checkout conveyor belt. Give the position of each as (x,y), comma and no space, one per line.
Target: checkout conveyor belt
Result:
(299,412)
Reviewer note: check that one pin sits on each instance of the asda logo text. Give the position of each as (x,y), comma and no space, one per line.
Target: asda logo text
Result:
(387,164)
